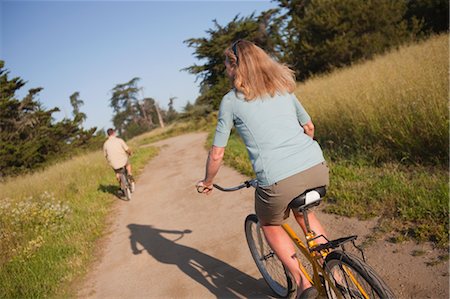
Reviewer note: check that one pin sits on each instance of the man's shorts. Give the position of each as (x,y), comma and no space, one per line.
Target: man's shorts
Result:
(119,170)
(271,202)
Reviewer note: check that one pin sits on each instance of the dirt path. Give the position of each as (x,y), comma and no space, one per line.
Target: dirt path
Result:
(170,242)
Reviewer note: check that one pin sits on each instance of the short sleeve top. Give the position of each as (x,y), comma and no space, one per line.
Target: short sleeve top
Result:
(115,152)
(271,128)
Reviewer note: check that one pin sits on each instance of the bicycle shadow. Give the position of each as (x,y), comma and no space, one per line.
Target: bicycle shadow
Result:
(220,278)
(112,189)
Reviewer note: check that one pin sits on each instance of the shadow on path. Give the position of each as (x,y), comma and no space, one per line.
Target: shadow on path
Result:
(221,279)
(111,189)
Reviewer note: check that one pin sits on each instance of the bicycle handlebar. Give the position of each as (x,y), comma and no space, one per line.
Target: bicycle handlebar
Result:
(246,184)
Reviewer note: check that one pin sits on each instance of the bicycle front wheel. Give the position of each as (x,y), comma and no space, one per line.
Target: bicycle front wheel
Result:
(267,262)
(353,278)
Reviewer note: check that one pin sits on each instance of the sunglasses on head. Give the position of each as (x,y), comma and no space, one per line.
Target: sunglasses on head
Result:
(234,49)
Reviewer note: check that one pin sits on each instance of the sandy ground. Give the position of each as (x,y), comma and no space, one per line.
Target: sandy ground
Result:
(170,242)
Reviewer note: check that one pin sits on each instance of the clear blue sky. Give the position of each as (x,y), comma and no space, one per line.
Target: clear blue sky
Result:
(90,46)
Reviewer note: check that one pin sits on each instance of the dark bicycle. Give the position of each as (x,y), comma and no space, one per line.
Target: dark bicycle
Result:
(126,184)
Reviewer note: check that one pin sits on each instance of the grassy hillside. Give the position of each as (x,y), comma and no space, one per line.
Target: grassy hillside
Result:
(383,125)
(50,220)
(394,107)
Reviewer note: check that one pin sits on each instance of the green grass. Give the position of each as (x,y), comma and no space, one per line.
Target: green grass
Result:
(383,126)
(50,222)
(411,201)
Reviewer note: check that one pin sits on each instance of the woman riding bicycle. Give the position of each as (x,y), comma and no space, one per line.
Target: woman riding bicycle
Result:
(278,134)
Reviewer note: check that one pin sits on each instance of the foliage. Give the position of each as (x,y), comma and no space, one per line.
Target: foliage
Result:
(171,114)
(29,138)
(433,14)
(214,84)
(43,213)
(315,36)
(134,116)
(324,34)
(192,112)
(76,102)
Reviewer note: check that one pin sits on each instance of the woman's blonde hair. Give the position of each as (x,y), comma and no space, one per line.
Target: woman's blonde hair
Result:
(256,74)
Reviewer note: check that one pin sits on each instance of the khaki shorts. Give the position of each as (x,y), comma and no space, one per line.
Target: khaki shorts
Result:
(119,170)
(271,202)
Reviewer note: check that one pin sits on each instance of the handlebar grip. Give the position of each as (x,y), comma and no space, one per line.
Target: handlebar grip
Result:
(200,189)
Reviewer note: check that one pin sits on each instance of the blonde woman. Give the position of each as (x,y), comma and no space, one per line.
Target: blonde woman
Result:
(278,134)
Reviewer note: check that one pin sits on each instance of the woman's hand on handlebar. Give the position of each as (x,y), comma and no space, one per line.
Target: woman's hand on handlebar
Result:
(203,187)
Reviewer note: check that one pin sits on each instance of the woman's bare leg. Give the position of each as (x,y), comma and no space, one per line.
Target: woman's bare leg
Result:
(282,245)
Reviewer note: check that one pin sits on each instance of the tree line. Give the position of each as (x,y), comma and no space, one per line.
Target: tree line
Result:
(135,114)
(30,138)
(314,37)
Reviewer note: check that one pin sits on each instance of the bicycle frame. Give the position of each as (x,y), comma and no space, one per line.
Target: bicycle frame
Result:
(313,256)
(314,260)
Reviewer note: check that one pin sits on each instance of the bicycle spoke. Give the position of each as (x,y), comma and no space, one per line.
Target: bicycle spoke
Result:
(353,278)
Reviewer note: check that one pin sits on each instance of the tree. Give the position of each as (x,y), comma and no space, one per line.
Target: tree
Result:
(171,114)
(134,116)
(262,30)
(123,101)
(76,102)
(432,13)
(324,34)
(29,138)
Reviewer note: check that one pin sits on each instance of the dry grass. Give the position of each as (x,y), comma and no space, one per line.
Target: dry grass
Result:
(394,107)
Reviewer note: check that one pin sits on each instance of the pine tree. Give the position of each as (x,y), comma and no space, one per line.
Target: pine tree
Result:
(76,103)
(29,138)
(132,115)
(324,34)
(262,30)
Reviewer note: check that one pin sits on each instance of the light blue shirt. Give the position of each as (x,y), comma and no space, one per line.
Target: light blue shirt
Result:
(271,129)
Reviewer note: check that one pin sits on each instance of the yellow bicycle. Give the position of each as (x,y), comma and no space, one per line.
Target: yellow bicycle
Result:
(335,272)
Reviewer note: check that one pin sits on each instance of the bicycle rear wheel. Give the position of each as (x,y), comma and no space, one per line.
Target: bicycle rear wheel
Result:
(354,278)
(267,262)
(124,186)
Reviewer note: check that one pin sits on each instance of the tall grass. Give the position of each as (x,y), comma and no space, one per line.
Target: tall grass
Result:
(50,220)
(394,107)
(376,121)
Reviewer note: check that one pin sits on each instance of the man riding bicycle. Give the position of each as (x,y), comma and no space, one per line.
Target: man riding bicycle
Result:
(116,153)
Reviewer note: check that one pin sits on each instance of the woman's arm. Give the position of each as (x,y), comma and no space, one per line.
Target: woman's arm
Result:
(213,163)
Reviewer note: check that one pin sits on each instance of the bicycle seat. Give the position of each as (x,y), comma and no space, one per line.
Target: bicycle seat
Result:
(309,198)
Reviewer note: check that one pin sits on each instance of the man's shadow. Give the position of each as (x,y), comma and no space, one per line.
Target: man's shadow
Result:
(111,189)
(220,278)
